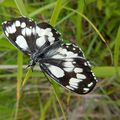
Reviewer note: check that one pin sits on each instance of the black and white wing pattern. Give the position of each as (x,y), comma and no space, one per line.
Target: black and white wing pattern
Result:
(69,68)
(28,36)
(65,63)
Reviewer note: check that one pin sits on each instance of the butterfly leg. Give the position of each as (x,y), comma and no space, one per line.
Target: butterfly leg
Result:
(30,64)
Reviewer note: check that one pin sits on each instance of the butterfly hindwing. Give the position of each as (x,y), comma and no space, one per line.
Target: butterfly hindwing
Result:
(28,36)
(70,69)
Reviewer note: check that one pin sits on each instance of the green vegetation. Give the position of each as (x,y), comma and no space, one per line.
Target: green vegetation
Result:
(94,25)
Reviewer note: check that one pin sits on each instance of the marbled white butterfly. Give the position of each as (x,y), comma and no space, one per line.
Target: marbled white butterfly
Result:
(65,63)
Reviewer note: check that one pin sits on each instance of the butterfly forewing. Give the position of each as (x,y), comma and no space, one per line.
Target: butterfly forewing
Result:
(29,37)
(52,31)
(20,33)
(70,69)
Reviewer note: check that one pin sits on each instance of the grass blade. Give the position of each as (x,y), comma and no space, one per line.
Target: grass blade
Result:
(56,12)
(79,22)
(38,11)
(21,7)
(27,76)
(116,51)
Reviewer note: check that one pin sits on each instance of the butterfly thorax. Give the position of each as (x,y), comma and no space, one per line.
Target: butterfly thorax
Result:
(43,54)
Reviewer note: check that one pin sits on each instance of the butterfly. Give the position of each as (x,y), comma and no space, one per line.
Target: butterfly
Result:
(63,62)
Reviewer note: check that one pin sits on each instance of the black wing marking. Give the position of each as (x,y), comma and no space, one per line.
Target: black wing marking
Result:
(70,69)
(29,37)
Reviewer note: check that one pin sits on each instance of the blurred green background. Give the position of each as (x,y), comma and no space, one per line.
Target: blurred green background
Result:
(37,100)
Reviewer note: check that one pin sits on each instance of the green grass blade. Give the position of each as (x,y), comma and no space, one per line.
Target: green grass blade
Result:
(55,109)
(65,18)
(79,21)
(105,71)
(56,12)
(21,7)
(60,104)
(19,80)
(46,106)
(38,11)
(27,76)
(116,50)
(19,73)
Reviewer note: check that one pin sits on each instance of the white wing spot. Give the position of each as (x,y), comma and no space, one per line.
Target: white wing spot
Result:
(86,89)
(74,80)
(85,63)
(69,87)
(68,60)
(23,32)
(42,32)
(7,29)
(68,64)
(90,84)
(51,39)
(78,70)
(88,63)
(38,30)
(57,56)
(74,48)
(93,74)
(48,29)
(21,42)
(33,31)
(48,32)
(56,71)
(28,31)
(12,28)
(81,76)
(63,51)
(68,69)
(74,85)
(17,23)
(23,25)
(7,34)
(74,62)
(40,41)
